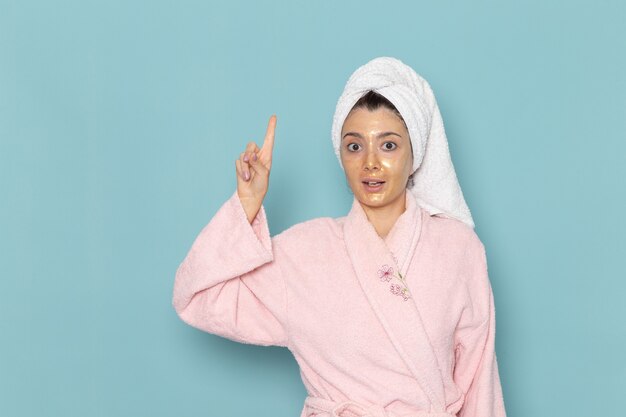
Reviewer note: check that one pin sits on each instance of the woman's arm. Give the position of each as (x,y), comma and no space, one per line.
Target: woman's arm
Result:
(229,283)
(476,369)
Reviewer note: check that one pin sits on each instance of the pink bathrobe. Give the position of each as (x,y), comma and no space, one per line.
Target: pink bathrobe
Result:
(401,326)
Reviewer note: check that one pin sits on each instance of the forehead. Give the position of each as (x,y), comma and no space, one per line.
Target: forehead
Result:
(362,119)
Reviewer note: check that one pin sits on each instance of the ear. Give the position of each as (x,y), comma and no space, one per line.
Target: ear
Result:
(410,182)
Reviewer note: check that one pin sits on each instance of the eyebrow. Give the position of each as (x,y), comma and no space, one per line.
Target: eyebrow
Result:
(380,135)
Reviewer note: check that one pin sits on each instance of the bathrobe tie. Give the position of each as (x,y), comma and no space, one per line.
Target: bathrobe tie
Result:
(355,409)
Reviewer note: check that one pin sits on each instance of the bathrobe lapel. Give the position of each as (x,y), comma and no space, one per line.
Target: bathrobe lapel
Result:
(381,267)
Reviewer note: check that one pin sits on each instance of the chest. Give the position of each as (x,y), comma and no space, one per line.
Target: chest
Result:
(330,315)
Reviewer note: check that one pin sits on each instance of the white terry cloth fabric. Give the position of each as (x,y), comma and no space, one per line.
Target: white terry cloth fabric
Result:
(436,188)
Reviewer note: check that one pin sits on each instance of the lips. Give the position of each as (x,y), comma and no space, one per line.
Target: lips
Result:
(372,181)
(373,185)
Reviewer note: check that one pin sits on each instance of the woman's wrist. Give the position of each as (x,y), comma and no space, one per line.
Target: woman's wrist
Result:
(251,207)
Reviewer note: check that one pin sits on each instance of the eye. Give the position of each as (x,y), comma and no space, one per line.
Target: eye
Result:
(350,148)
(388,148)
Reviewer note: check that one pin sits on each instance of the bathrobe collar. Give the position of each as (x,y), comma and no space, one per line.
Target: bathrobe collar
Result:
(381,267)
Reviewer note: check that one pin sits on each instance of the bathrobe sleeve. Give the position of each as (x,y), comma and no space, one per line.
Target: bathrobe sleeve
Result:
(229,284)
(476,369)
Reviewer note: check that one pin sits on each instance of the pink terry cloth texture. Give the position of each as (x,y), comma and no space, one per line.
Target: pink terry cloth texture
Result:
(400,326)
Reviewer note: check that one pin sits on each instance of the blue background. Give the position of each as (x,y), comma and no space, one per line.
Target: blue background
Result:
(119,126)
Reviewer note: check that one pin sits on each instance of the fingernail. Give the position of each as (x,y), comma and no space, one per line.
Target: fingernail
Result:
(245,158)
(254,156)
(247,176)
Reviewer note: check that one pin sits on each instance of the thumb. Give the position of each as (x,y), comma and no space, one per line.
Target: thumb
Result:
(258,167)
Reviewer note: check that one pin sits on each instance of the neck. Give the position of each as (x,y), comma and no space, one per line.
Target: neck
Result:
(383,218)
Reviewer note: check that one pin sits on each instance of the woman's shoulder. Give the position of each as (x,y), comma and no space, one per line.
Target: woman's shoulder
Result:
(461,246)
(452,231)
(315,239)
(316,228)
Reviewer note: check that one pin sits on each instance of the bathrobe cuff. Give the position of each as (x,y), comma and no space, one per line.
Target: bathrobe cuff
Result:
(229,283)
(259,226)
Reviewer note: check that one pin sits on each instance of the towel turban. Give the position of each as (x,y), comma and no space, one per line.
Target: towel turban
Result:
(436,187)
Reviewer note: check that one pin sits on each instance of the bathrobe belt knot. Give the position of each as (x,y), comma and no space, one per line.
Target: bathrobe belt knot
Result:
(354,409)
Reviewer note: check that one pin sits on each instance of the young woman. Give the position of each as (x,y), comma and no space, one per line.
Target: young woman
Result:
(389,310)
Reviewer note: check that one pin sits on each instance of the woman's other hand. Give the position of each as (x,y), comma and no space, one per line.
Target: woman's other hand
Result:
(253,172)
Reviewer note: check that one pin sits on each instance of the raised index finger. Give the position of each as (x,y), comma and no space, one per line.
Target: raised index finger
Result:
(268,143)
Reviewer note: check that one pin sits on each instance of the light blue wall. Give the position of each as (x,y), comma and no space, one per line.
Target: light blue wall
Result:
(119,126)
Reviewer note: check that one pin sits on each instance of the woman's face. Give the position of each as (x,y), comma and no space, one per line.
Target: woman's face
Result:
(375,146)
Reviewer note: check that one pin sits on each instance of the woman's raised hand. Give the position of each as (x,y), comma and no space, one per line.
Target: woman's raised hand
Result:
(253,172)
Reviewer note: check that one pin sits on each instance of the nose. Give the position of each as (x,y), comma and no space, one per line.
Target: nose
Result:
(371,161)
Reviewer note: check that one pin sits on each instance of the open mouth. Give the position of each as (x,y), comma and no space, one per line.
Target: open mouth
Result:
(373,186)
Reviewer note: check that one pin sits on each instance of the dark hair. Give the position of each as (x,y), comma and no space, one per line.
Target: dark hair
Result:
(373,101)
